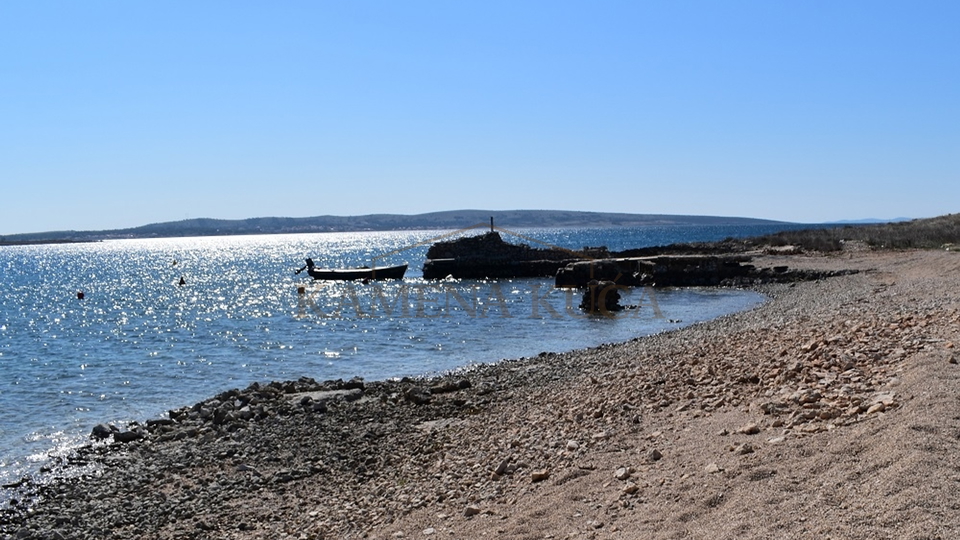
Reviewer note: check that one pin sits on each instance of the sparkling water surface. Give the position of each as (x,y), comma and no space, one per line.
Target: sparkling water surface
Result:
(139,343)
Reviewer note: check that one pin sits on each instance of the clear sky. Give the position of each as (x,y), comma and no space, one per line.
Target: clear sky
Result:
(117,114)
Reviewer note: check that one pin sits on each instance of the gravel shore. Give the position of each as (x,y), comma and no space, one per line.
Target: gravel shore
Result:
(829,412)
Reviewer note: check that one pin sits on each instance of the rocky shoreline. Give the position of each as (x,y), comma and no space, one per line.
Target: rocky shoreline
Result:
(812,415)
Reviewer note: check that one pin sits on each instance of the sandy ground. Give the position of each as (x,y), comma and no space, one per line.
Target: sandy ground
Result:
(829,412)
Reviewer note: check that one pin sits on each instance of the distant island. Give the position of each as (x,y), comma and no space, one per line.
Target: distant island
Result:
(452,219)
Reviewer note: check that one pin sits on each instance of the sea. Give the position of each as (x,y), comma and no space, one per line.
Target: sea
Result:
(139,343)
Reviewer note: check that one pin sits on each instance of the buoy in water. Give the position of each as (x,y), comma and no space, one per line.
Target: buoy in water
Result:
(301,290)
(182,281)
(79,295)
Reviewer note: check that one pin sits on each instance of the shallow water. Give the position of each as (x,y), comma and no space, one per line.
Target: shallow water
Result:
(139,344)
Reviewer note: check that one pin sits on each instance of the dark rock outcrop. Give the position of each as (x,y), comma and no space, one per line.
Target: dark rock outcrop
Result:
(489,256)
(681,271)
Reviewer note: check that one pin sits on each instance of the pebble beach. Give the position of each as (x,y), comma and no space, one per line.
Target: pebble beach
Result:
(830,411)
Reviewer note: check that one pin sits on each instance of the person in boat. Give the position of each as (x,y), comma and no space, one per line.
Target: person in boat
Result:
(308,265)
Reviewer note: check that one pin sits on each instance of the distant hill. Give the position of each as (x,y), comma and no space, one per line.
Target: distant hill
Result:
(870,221)
(453,219)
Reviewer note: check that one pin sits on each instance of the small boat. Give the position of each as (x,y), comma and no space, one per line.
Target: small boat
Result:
(346,274)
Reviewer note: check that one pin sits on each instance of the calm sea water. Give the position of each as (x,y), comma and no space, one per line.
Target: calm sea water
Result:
(139,344)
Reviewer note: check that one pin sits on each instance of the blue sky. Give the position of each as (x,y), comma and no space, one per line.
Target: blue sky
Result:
(118,114)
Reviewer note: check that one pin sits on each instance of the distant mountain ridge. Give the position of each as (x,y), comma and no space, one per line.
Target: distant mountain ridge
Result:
(869,221)
(451,219)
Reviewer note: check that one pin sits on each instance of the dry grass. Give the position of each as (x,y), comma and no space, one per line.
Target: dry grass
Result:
(931,233)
